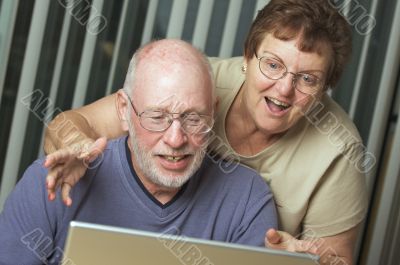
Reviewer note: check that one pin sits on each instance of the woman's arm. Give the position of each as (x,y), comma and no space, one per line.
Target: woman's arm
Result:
(85,124)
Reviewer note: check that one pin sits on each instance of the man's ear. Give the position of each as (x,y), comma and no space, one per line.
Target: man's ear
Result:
(122,105)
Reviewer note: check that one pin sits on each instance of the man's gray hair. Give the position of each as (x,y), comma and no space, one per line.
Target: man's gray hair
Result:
(130,74)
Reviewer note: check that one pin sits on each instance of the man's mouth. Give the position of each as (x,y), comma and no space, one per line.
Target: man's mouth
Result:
(175,162)
(174,158)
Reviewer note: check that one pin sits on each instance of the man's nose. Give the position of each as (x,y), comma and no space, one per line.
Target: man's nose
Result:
(174,136)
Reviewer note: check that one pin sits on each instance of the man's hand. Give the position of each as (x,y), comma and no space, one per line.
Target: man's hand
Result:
(67,165)
(284,241)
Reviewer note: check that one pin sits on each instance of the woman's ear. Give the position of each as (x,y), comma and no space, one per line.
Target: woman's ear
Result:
(122,105)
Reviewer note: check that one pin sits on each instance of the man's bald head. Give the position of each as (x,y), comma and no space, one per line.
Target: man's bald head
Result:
(168,56)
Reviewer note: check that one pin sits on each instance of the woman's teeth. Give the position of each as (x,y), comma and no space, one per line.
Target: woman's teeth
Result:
(278,103)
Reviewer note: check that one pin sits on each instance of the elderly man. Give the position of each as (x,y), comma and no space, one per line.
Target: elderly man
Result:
(156,178)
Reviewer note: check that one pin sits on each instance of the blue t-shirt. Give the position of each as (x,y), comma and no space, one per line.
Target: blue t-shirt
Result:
(233,207)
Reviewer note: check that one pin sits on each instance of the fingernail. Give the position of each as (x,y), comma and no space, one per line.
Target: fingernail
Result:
(67,202)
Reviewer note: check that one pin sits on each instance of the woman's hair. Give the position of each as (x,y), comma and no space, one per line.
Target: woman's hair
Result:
(316,22)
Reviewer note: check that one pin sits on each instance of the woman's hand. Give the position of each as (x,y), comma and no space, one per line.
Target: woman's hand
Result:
(284,241)
(337,249)
(67,165)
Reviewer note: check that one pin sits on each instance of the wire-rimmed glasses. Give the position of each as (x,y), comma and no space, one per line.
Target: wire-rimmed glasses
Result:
(157,120)
(305,82)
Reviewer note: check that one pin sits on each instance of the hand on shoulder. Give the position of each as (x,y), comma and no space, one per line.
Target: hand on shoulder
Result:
(67,166)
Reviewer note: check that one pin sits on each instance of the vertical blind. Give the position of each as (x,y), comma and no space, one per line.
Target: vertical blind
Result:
(61,54)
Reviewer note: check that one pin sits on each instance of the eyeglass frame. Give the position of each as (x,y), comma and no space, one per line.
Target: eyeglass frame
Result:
(171,119)
(295,75)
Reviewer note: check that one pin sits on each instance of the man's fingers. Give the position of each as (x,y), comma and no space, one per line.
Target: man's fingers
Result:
(65,190)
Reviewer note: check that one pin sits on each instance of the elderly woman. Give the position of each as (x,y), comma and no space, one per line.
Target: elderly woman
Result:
(274,116)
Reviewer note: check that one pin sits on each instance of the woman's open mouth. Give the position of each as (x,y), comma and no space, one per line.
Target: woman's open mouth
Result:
(276,106)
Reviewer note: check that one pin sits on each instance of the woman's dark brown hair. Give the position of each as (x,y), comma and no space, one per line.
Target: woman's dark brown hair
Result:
(316,22)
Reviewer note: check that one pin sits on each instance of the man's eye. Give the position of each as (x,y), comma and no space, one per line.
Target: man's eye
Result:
(192,119)
(157,118)
(155,115)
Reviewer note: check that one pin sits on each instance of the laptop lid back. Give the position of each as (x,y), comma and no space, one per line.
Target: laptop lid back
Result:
(98,244)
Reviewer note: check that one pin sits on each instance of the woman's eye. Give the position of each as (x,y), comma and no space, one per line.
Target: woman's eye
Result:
(274,66)
(309,79)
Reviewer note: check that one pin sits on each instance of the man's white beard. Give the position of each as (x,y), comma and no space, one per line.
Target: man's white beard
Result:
(146,162)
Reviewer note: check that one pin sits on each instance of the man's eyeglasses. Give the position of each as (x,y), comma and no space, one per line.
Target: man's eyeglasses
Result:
(160,120)
(272,68)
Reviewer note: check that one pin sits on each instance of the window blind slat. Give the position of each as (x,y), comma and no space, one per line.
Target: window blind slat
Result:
(8,16)
(25,89)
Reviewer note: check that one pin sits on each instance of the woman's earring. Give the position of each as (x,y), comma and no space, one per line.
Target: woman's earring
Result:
(244,68)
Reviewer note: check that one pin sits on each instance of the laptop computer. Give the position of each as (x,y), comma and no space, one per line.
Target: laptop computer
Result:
(99,244)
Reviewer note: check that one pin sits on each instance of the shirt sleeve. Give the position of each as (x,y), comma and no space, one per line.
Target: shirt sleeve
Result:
(26,235)
(259,215)
(340,202)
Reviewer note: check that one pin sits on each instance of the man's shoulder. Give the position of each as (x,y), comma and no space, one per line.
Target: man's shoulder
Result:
(37,170)
(113,147)
(31,186)
(116,143)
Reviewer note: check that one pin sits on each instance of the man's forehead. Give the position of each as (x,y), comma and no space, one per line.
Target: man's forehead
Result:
(173,103)
(173,81)
(171,86)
